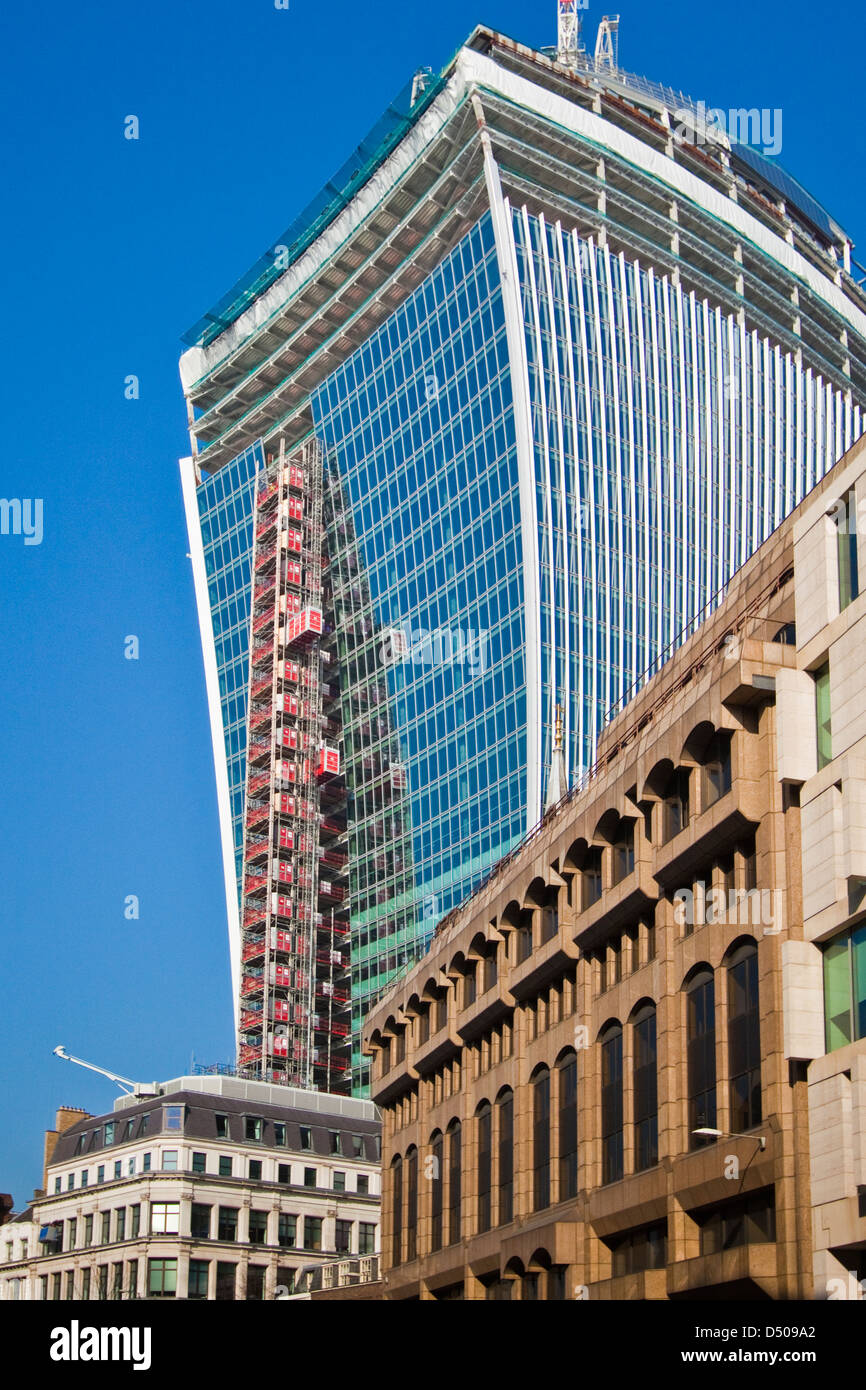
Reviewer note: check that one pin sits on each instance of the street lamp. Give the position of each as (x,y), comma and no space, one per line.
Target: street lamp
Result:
(706,1133)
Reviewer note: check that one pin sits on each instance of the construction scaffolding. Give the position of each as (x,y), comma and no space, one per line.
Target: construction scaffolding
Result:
(295,996)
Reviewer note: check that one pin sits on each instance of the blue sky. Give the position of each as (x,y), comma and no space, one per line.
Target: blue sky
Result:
(112,249)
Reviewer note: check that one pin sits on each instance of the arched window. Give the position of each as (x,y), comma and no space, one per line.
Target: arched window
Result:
(611,1104)
(567,1069)
(701,1053)
(454,1181)
(437,1176)
(484,1120)
(411,1204)
(744,1038)
(646,1117)
(396,1210)
(541,1139)
(505,1137)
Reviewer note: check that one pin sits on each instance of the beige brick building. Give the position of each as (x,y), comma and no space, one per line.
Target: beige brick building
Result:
(648,967)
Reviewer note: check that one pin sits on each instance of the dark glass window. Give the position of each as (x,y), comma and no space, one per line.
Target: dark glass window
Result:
(675,804)
(591,877)
(716,770)
(227,1225)
(199,1227)
(701,1054)
(623,851)
(198,1275)
(287,1229)
(568,1127)
(222,1130)
(611,1104)
(252,1127)
(454,1181)
(436,1194)
(284,1172)
(199,1163)
(744,1039)
(256,1281)
(411,1203)
(225,1166)
(366,1237)
(747,1220)
(524,938)
(646,1123)
(541,1140)
(225,1282)
(505,1117)
(312,1232)
(255,1170)
(343,1236)
(484,1120)
(640,1249)
(258,1227)
(397,1211)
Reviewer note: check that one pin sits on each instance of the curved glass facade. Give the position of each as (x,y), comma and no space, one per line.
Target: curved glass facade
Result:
(418,423)
(668,442)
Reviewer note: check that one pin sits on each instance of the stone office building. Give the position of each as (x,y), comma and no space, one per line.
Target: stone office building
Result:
(598,1082)
(212,1188)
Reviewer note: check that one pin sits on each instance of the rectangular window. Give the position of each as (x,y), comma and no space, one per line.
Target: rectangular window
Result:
(339,1182)
(145,1163)
(106,1228)
(592,886)
(279,1135)
(716,770)
(118,1169)
(198,1277)
(164,1218)
(199,1221)
(227,1225)
(306,1137)
(117,1281)
(256,1281)
(845,989)
(84,1178)
(100,1174)
(88,1230)
(309,1177)
(287,1229)
(169,1160)
(343,1237)
(335,1142)
(199,1163)
(225,1166)
(258,1227)
(822,715)
(134,1221)
(675,805)
(366,1238)
(252,1127)
(162,1278)
(109,1132)
(225,1281)
(285,1281)
(222,1132)
(85,1283)
(640,1249)
(745,1221)
(846,549)
(172,1118)
(284,1172)
(363,1186)
(255,1170)
(102,1282)
(56,1286)
(312,1232)
(120,1224)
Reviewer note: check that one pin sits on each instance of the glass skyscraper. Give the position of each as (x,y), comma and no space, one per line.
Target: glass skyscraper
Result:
(566,370)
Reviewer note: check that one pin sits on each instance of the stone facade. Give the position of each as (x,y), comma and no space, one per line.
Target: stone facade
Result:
(649,941)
